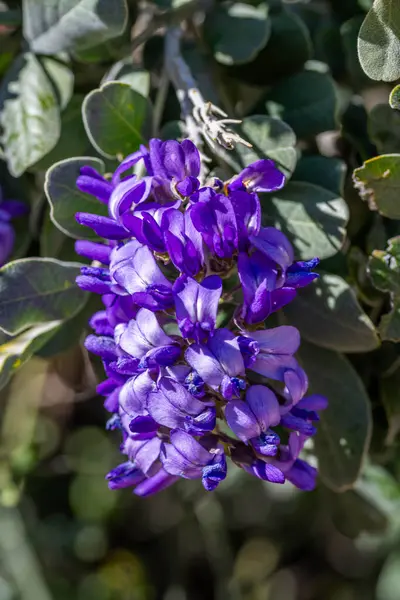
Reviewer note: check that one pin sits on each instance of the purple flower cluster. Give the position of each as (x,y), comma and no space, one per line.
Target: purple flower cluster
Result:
(9,209)
(175,380)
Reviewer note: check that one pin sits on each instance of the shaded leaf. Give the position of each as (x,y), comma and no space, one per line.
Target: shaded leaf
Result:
(384,128)
(344,430)
(349,32)
(38,290)
(389,578)
(390,397)
(73,139)
(15,351)
(314,219)
(66,200)
(327,172)
(288,48)
(328,314)
(378,182)
(306,101)
(54,26)
(30,119)
(270,138)
(237,32)
(384,270)
(379,41)
(116,119)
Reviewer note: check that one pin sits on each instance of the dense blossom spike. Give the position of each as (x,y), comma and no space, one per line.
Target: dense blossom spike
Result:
(174,376)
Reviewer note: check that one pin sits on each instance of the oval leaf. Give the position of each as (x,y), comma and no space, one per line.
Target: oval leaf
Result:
(66,200)
(55,26)
(116,119)
(38,290)
(237,32)
(15,351)
(306,101)
(30,119)
(270,138)
(327,172)
(328,314)
(344,430)
(378,182)
(384,128)
(379,41)
(314,219)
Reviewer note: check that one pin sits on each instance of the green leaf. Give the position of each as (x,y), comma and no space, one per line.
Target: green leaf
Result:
(71,332)
(390,387)
(314,219)
(327,313)
(384,270)
(384,267)
(349,32)
(379,41)
(394,98)
(117,119)
(61,77)
(66,200)
(389,326)
(287,50)
(16,351)
(124,71)
(306,101)
(37,290)
(389,578)
(327,172)
(270,138)
(378,182)
(73,139)
(384,128)
(237,32)
(30,119)
(54,26)
(344,430)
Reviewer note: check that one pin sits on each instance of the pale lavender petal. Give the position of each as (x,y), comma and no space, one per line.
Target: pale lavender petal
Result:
(241,420)
(278,340)
(204,362)
(264,405)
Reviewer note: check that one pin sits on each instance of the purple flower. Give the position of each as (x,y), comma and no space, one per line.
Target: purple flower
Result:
(260,176)
(172,375)
(214,217)
(185,457)
(182,241)
(251,419)
(144,340)
(260,296)
(273,350)
(219,363)
(9,210)
(135,269)
(196,306)
(275,245)
(175,165)
(299,274)
(91,182)
(171,405)
(247,211)
(147,226)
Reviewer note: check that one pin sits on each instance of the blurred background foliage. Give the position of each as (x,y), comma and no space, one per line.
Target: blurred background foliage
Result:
(312,81)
